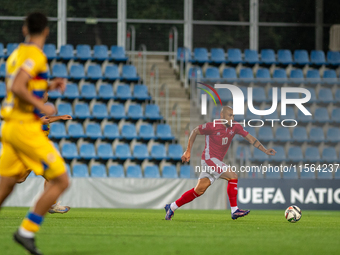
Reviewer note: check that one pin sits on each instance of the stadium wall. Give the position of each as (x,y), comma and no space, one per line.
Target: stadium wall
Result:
(123,193)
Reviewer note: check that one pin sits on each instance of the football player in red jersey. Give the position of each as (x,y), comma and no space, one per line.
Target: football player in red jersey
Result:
(217,142)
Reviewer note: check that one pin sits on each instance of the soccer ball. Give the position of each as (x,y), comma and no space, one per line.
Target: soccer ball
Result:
(293,213)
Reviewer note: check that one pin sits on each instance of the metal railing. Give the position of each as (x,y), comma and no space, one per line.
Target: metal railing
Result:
(141,66)
(131,40)
(173,45)
(176,119)
(164,104)
(154,82)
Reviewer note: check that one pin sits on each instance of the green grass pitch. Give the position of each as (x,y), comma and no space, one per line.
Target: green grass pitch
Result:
(120,231)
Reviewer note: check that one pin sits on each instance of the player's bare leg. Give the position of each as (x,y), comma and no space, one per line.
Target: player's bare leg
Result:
(6,187)
(56,207)
(232,179)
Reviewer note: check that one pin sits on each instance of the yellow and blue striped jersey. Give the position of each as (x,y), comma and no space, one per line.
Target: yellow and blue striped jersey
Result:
(32,60)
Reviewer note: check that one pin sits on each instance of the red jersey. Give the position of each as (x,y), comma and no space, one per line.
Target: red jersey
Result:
(218,139)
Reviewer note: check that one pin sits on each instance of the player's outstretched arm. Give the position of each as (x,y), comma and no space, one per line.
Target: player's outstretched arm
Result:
(256,143)
(56,118)
(192,137)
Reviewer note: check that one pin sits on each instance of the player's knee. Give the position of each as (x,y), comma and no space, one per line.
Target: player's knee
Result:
(202,187)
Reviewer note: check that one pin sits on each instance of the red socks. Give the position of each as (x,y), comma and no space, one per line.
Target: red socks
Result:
(186,197)
(232,192)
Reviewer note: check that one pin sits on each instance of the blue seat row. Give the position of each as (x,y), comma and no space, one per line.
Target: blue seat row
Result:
(121,151)
(294,154)
(117,111)
(88,92)
(267,57)
(58,130)
(94,72)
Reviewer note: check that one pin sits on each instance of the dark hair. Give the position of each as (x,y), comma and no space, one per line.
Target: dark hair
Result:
(36,22)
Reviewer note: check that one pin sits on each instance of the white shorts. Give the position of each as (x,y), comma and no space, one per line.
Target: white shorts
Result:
(212,169)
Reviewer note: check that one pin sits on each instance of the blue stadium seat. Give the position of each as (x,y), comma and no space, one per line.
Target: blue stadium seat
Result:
(280,154)
(259,95)
(66,52)
(250,115)
(146,132)
(225,95)
(169,172)
(242,152)
(290,174)
(100,52)
(60,71)
(329,77)
(111,131)
(212,73)
(3,92)
(312,96)
(184,171)
(304,118)
(266,134)
(313,76)
(88,91)
(123,92)
(325,96)
(71,91)
(133,171)
(280,76)
(111,73)
(87,151)
(117,111)
(69,151)
(93,131)
(75,130)
(229,74)
(333,58)
(183,54)
(217,56)
(263,75)
(195,73)
(316,135)
(273,175)
(251,131)
(200,56)
(251,57)
(321,115)
(68,169)
(337,175)
(246,75)
(77,72)
(98,171)
(152,112)
(234,56)
(158,152)
(3,70)
(80,170)
(2,54)
(140,92)
(129,131)
(116,171)
(105,152)
(140,152)
(259,156)
(270,95)
(325,174)
(118,54)
(10,48)
(268,57)
(282,134)
(335,116)
(333,135)
(295,154)
(175,151)
(163,132)
(105,92)
(307,173)
(58,130)
(50,51)
(312,154)
(151,172)
(83,52)
(301,57)
(82,111)
(64,109)
(94,72)
(317,57)
(99,111)
(329,155)
(300,135)
(296,76)
(129,73)
(273,115)
(284,57)
(135,112)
